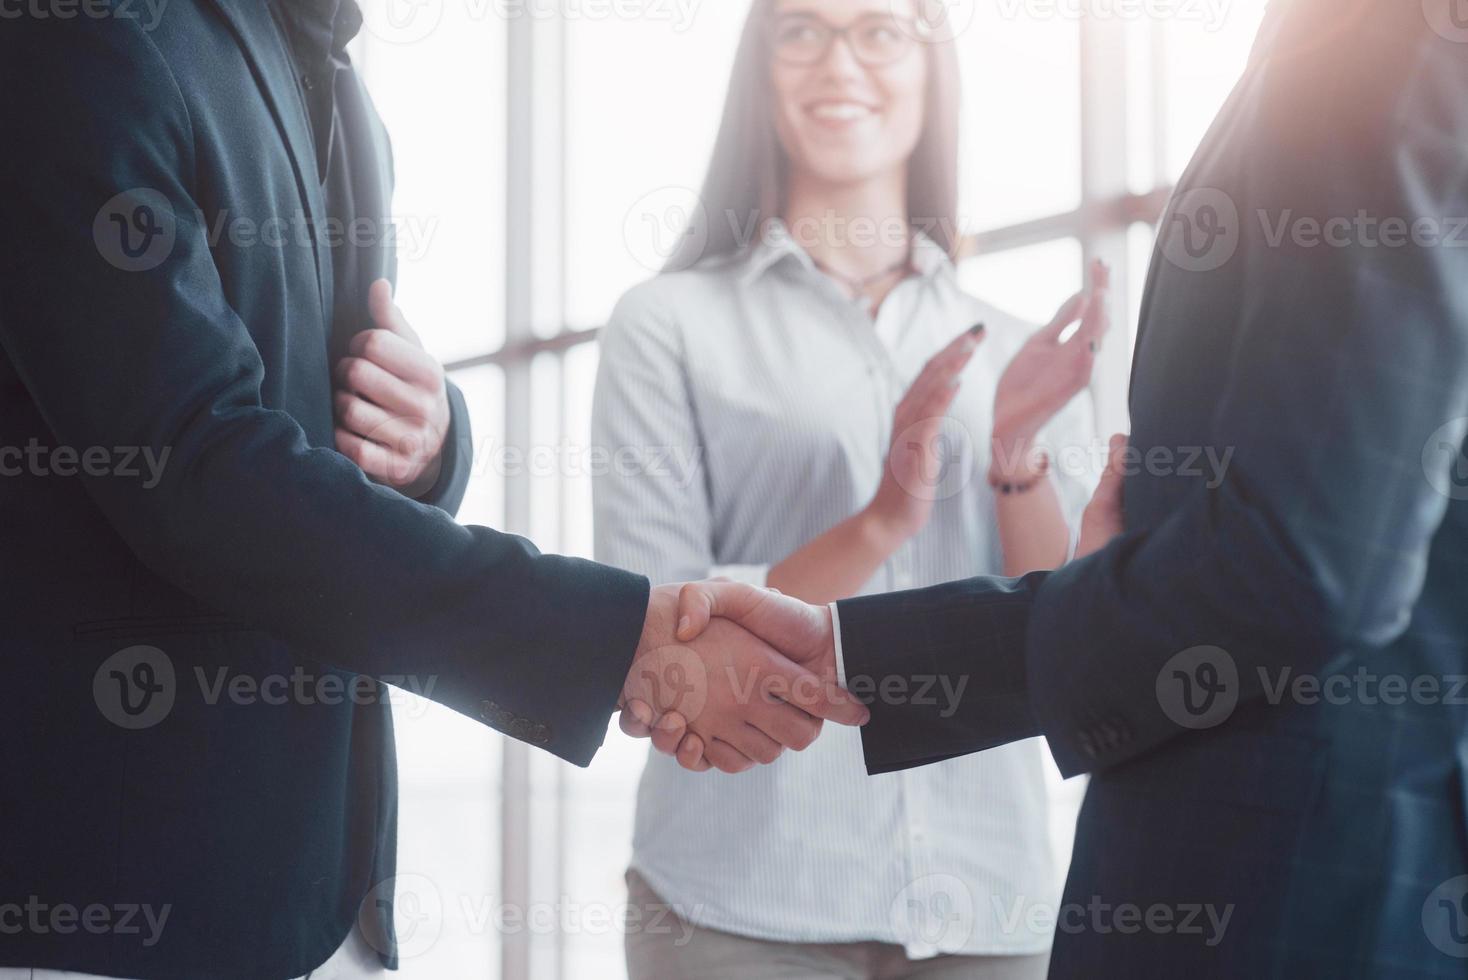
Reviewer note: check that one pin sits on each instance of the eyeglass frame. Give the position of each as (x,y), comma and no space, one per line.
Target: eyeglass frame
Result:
(910,28)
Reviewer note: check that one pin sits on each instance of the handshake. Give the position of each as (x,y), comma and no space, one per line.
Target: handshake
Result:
(728,675)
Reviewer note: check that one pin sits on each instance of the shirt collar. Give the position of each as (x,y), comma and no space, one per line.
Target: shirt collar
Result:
(775,244)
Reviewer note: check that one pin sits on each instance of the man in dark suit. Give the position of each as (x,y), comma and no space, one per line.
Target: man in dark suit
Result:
(194,734)
(1265,675)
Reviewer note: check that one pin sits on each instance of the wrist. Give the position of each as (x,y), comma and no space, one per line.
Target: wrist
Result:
(882,530)
(1014,457)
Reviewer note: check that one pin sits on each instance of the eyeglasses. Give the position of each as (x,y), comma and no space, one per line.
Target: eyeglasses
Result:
(876,40)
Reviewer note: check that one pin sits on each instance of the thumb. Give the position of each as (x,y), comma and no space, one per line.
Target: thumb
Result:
(385,313)
(695,609)
(699,602)
(1109,489)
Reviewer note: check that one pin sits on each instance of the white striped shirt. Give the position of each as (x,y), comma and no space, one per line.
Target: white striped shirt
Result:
(782,389)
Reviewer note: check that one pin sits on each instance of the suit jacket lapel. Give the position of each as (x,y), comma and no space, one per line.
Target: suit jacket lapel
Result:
(264,46)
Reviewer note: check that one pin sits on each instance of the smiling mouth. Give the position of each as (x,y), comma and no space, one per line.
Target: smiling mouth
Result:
(840,113)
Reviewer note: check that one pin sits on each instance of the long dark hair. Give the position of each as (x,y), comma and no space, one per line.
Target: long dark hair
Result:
(745,186)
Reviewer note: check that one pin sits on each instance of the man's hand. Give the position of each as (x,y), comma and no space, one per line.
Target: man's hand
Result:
(392,403)
(802,632)
(1103,518)
(737,696)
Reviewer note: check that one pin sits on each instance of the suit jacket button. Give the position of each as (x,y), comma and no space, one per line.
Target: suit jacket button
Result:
(1087,745)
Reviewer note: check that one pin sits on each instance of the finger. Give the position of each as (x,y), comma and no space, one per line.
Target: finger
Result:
(691,754)
(358,415)
(374,459)
(938,401)
(396,354)
(1068,313)
(789,726)
(945,365)
(726,758)
(1095,321)
(362,377)
(385,313)
(636,719)
(755,744)
(700,602)
(817,696)
(668,732)
(1113,476)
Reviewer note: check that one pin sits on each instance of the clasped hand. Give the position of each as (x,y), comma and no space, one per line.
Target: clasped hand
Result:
(728,676)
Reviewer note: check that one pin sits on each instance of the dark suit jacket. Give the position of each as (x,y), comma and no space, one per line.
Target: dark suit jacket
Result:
(256,818)
(1331,824)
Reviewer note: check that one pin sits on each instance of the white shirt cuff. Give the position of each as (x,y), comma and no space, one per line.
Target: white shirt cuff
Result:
(755,575)
(840,657)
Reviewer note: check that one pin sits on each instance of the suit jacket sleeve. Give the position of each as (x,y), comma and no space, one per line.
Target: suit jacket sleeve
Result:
(1346,414)
(247,516)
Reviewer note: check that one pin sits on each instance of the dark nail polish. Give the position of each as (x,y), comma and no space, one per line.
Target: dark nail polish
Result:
(976,329)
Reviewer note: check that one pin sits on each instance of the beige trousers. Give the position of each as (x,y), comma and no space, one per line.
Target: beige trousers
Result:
(683,952)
